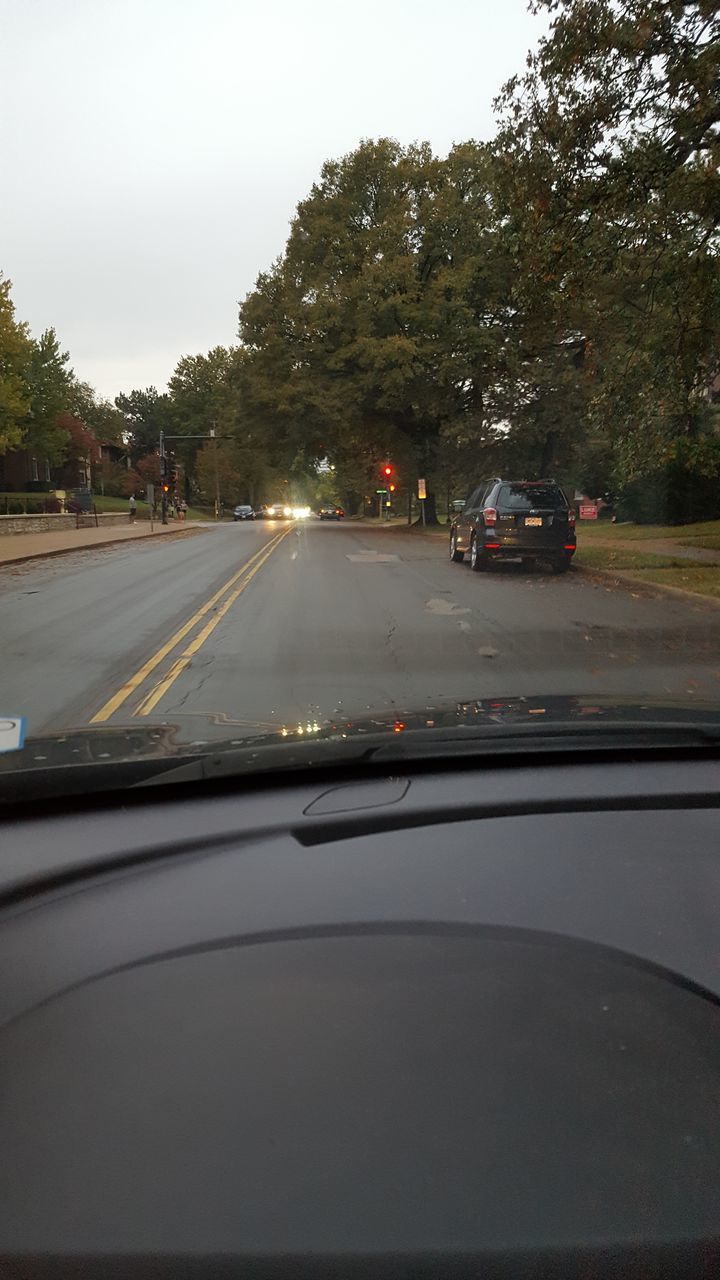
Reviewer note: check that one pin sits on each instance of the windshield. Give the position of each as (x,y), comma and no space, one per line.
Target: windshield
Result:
(284,262)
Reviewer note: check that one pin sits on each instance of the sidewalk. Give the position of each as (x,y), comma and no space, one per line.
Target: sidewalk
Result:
(17,547)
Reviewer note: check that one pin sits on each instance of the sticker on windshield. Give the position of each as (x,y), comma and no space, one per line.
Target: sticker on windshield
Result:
(12,733)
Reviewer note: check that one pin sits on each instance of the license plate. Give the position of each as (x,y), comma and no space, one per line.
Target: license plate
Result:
(533,522)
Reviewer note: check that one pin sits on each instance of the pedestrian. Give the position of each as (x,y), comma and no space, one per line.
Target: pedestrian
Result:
(182,509)
(131,508)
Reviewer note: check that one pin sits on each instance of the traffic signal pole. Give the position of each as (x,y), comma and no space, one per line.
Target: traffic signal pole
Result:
(165,469)
(163,494)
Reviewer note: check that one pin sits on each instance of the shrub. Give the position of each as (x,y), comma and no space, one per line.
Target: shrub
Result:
(15,508)
(673,495)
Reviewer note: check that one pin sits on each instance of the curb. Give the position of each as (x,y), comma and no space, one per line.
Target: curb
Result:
(88,546)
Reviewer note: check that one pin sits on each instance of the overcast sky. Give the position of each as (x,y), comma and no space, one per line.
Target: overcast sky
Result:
(154,151)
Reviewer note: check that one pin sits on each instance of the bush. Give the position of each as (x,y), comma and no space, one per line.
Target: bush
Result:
(34,508)
(15,508)
(52,506)
(674,495)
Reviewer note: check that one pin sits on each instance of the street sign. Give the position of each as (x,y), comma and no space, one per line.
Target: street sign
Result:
(381,490)
(588,511)
(422,490)
(150,493)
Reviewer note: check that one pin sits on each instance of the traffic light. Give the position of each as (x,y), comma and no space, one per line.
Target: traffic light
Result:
(166,487)
(172,472)
(387,469)
(392,487)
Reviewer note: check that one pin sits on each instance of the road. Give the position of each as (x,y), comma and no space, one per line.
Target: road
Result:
(238,628)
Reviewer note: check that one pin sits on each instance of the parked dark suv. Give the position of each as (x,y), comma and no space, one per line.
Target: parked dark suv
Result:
(519,519)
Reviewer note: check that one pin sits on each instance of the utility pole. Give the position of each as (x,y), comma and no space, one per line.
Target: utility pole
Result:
(217,477)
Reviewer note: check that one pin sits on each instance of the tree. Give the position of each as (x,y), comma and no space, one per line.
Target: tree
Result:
(612,136)
(131,482)
(101,416)
(379,326)
(148,468)
(111,477)
(80,447)
(202,398)
(49,380)
(15,347)
(145,414)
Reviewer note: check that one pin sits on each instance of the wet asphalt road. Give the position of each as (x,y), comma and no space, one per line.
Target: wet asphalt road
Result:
(243,628)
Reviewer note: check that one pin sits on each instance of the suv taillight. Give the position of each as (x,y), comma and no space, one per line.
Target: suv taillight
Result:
(490,515)
(571,516)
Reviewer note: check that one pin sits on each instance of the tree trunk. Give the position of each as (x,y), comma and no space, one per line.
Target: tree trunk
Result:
(547,458)
(430,511)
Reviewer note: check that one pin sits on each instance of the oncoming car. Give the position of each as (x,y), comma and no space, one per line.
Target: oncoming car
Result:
(243,512)
(277,511)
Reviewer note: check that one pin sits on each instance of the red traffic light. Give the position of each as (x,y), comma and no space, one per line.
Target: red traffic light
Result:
(387,469)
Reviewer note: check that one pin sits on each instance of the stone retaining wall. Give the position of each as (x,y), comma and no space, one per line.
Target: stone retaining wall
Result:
(49,523)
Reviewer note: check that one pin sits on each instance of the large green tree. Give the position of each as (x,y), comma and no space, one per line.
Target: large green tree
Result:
(612,136)
(103,418)
(381,327)
(145,413)
(15,348)
(49,380)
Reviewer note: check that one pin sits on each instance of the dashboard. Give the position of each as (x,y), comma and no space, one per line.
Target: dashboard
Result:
(452,1022)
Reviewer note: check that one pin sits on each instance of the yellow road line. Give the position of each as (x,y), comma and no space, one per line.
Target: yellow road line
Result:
(178,667)
(111,706)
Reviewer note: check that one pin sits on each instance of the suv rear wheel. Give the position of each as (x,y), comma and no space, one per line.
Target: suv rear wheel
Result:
(478,560)
(561,564)
(455,555)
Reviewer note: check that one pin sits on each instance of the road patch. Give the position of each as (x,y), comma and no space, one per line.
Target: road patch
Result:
(371,557)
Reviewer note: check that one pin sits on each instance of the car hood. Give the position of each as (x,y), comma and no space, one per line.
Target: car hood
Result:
(103,757)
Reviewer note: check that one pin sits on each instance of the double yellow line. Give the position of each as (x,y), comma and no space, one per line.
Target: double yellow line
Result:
(243,576)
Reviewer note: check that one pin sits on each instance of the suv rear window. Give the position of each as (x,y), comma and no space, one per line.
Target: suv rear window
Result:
(526,497)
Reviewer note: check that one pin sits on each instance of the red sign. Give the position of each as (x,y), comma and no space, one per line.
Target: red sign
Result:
(588,511)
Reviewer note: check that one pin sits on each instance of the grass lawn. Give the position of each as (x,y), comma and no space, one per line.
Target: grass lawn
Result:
(604,529)
(704,580)
(666,571)
(606,558)
(711,543)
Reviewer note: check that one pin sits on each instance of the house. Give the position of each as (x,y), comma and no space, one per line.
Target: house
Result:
(22,471)
(88,460)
